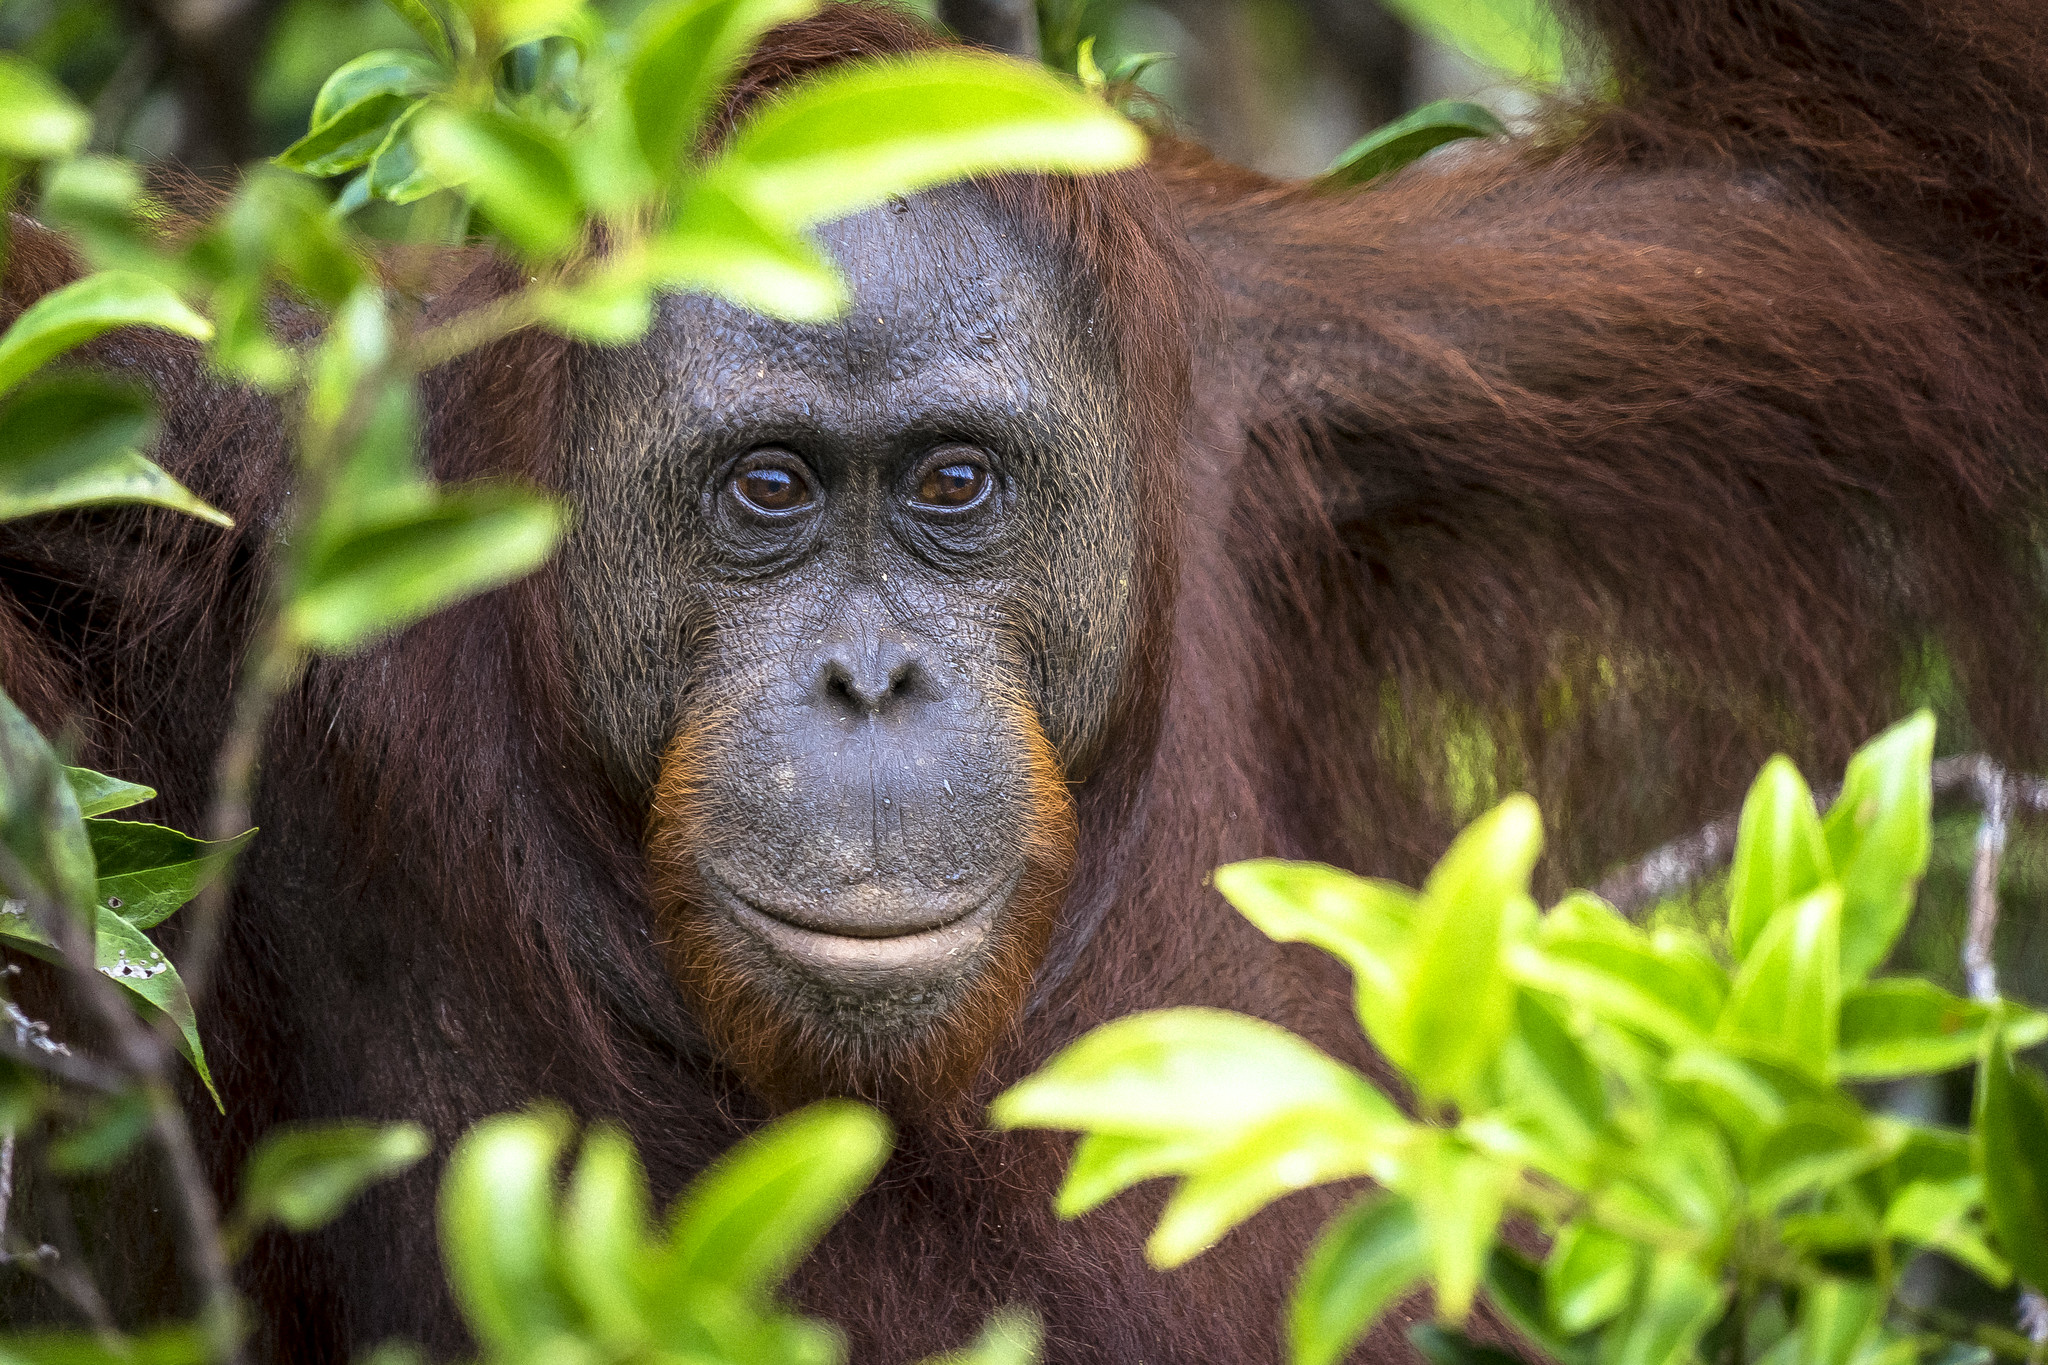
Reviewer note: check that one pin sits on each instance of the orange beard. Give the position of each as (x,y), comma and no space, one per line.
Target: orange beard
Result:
(766,1023)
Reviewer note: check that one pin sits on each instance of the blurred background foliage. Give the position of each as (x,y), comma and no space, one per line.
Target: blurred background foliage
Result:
(1280,85)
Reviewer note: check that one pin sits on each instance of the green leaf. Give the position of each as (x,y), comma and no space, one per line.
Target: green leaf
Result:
(1879,836)
(1520,38)
(1589,957)
(1459,1196)
(759,1209)
(1835,1318)
(180,1345)
(1179,1072)
(1365,1261)
(1589,1277)
(1514,1285)
(851,138)
(1010,1338)
(1678,1303)
(719,246)
(1781,855)
(427,23)
(112,1127)
(1366,924)
(87,308)
(1460,1001)
(349,139)
(39,819)
(1819,1145)
(146,872)
(604,1236)
(69,441)
(396,174)
(38,119)
(393,71)
(303,1175)
(392,572)
(2011,1126)
(1942,1215)
(1229,1185)
(517,171)
(1442,1345)
(1787,999)
(498,1229)
(99,794)
(123,953)
(683,54)
(1903,1026)
(1393,145)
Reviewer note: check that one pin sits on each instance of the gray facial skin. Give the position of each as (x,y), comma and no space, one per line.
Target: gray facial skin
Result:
(852,563)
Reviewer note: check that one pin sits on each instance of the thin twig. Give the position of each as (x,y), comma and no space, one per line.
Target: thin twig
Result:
(1980,968)
(1686,862)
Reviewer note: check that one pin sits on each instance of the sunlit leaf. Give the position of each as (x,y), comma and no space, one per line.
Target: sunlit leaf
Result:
(1677,1304)
(1903,1026)
(719,246)
(1010,1338)
(1364,1262)
(748,1220)
(303,1175)
(518,172)
(38,119)
(851,138)
(1942,1216)
(1781,855)
(1520,38)
(498,1229)
(1787,999)
(1835,1318)
(99,794)
(683,54)
(1589,1276)
(1879,836)
(604,1236)
(427,23)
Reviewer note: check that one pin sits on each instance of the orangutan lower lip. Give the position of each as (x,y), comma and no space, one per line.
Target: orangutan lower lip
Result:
(932,935)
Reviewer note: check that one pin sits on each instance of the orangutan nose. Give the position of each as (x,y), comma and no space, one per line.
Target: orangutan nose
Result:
(884,678)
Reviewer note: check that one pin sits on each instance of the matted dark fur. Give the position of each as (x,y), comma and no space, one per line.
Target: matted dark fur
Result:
(1617,456)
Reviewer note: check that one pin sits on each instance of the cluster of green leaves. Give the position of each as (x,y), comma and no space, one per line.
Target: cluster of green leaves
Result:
(581,1274)
(1674,1111)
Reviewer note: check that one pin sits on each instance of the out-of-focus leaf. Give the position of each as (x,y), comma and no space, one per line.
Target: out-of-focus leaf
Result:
(1514,1285)
(1835,1317)
(1366,924)
(498,1230)
(719,246)
(1903,1026)
(99,794)
(146,872)
(1442,1345)
(279,226)
(683,54)
(1460,1000)
(38,120)
(1589,1277)
(604,1237)
(1787,999)
(2012,1155)
(427,23)
(164,1346)
(394,71)
(1368,1258)
(1520,38)
(1818,1145)
(1393,145)
(747,1221)
(519,173)
(1232,1183)
(1011,1337)
(1879,836)
(1551,1090)
(1781,855)
(849,139)
(112,1128)
(1941,1215)
(1587,955)
(1676,1306)
(39,819)
(389,573)
(303,1175)
(396,174)
(1458,1195)
(87,308)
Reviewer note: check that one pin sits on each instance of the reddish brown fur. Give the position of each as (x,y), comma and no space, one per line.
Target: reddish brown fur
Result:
(1669,436)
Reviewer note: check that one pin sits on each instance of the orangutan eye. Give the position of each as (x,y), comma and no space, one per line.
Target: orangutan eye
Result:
(773,481)
(952,479)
